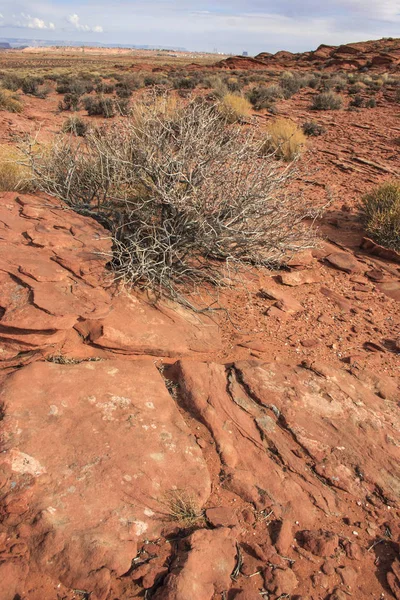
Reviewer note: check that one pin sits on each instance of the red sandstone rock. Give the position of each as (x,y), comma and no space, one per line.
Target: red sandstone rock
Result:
(206,570)
(295,278)
(81,440)
(284,581)
(222,516)
(284,301)
(321,543)
(344,262)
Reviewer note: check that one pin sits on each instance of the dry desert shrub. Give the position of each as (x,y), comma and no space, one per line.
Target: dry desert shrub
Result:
(263,97)
(181,507)
(182,194)
(284,139)
(75,125)
(380,210)
(327,101)
(312,128)
(13,176)
(234,108)
(9,101)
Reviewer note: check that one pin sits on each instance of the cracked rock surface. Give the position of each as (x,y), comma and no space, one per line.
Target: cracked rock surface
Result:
(152,452)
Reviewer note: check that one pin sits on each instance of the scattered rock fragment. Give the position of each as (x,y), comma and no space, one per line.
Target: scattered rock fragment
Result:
(296,278)
(344,262)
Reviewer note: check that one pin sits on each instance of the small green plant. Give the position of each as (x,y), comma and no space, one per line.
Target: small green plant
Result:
(185,83)
(371,103)
(327,101)
(380,212)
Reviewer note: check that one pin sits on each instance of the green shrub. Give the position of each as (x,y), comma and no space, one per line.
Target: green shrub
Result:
(327,101)
(380,211)
(123,90)
(290,84)
(99,106)
(70,102)
(11,82)
(184,83)
(371,103)
(263,97)
(357,102)
(74,86)
(30,86)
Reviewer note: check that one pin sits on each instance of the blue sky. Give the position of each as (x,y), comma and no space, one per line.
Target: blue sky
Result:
(229,26)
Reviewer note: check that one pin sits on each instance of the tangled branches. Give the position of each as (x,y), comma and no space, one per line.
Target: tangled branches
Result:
(180,192)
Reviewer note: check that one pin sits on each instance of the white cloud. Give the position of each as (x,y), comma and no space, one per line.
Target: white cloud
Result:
(35,22)
(76,22)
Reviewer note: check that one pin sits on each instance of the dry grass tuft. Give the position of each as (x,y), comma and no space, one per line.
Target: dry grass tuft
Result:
(181,507)
(285,139)
(9,101)
(234,108)
(380,211)
(13,176)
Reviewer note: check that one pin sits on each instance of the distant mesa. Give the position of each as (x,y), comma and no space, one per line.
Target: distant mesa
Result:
(377,55)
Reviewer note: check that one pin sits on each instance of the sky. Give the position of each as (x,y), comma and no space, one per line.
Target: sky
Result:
(230,26)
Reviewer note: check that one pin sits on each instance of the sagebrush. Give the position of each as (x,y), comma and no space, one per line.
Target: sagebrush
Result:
(181,193)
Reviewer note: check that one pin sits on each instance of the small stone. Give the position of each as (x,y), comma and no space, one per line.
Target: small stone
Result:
(344,262)
(348,575)
(222,516)
(283,582)
(295,278)
(248,516)
(284,539)
(328,567)
(321,543)
(309,343)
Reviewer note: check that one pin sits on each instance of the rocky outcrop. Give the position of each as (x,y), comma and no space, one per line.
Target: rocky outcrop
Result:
(268,422)
(378,55)
(89,454)
(55,292)
(211,476)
